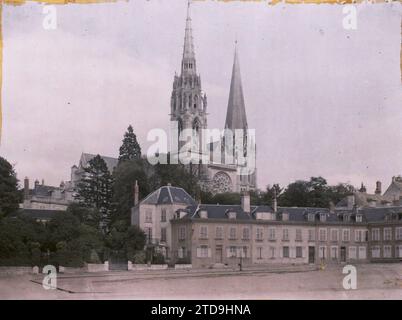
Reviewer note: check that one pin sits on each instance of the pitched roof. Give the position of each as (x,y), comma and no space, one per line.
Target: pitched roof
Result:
(236,112)
(41,190)
(111,163)
(394,191)
(169,195)
(217,211)
(380,214)
(296,214)
(362,199)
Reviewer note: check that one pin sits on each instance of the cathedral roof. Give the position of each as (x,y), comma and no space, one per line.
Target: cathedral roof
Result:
(236,112)
(111,163)
(169,195)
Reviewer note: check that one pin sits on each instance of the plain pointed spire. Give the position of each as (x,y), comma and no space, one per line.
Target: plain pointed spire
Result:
(236,112)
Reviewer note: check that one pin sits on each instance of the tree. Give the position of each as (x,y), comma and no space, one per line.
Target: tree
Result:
(296,194)
(341,191)
(178,175)
(71,242)
(10,197)
(96,191)
(125,175)
(19,239)
(125,240)
(313,193)
(82,213)
(229,198)
(130,148)
(268,195)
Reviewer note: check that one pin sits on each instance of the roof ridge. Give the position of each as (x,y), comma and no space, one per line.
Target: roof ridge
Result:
(196,210)
(170,194)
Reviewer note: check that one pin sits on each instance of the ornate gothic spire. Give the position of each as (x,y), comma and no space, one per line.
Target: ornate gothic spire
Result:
(188,62)
(236,112)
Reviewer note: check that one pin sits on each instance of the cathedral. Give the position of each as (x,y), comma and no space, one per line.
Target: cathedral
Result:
(225,173)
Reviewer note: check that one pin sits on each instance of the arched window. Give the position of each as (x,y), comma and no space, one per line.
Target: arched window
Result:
(179,127)
(196,135)
(195,101)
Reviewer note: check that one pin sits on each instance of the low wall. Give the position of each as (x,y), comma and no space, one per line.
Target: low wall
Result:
(183,266)
(15,270)
(97,267)
(144,267)
(71,270)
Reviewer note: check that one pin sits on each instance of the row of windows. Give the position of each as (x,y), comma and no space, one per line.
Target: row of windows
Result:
(230,252)
(358,253)
(335,234)
(148,233)
(387,234)
(148,216)
(386,251)
(333,252)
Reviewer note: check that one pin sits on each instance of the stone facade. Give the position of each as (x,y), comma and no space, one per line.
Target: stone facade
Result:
(188,108)
(44,197)
(154,213)
(229,235)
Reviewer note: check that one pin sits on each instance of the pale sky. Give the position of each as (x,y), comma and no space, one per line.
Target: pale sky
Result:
(323,100)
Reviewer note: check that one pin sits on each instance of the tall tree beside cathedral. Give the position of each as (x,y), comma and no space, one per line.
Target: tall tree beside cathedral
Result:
(9,194)
(130,148)
(96,192)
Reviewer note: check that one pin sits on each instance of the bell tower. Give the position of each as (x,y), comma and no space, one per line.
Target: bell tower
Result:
(188,102)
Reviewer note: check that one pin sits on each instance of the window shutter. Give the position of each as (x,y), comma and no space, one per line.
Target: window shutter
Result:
(198,252)
(304,252)
(228,252)
(209,252)
(281,252)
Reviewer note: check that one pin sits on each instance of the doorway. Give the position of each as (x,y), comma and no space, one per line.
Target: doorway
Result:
(311,254)
(218,254)
(343,254)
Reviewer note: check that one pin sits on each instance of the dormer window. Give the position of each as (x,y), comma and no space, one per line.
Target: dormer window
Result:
(265,216)
(359,218)
(346,218)
(180,214)
(285,216)
(323,217)
(311,217)
(203,214)
(232,215)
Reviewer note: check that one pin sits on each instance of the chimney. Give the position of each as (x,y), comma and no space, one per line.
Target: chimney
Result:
(350,201)
(378,187)
(26,188)
(36,183)
(43,182)
(169,184)
(136,192)
(331,207)
(275,202)
(245,201)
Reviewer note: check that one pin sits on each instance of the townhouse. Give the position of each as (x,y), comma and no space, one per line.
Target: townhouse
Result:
(215,234)
(206,235)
